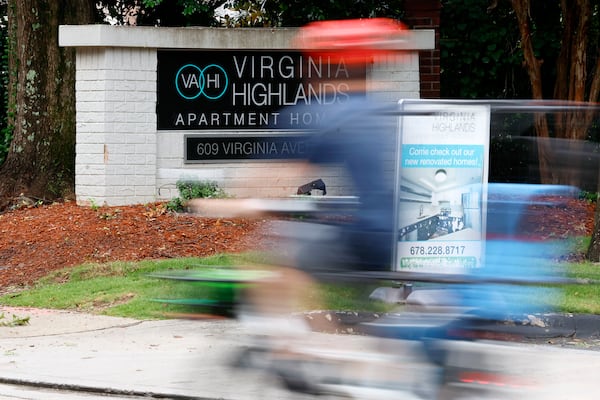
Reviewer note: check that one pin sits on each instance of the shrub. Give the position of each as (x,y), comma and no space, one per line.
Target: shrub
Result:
(591,197)
(199,189)
(194,190)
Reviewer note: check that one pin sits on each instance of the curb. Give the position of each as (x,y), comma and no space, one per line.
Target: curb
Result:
(530,326)
(545,326)
(75,388)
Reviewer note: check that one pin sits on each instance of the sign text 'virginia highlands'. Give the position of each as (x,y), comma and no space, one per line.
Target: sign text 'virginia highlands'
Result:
(242,90)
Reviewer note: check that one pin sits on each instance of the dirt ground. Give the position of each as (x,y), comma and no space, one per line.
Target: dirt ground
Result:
(37,240)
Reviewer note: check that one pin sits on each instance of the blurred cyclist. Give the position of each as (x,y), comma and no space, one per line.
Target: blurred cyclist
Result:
(359,133)
(355,131)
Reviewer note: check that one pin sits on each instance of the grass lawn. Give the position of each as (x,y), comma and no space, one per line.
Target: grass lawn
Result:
(584,298)
(128,289)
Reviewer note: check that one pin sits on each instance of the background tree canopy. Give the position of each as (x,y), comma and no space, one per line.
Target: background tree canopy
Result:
(247,12)
(482,47)
(480,53)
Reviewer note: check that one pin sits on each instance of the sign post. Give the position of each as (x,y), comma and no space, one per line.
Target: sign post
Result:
(442,186)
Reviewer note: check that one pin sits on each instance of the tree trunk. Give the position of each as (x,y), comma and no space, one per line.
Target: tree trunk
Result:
(534,70)
(570,84)
(41,99)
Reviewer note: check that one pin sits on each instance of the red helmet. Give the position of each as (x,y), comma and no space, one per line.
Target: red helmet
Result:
(354,40)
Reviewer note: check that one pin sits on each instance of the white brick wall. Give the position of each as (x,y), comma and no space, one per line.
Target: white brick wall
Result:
(116,125)
(121,158)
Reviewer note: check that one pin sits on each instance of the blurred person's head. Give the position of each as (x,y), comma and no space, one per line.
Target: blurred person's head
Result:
(347,47)
(353,40)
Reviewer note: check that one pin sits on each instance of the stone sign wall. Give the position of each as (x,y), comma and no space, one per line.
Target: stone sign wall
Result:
(157,105)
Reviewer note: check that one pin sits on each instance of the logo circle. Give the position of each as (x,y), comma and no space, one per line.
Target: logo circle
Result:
(222,92)
(201,82)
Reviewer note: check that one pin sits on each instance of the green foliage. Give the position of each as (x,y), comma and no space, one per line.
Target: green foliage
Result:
(510,159)
(175,204)
(119,288)
(299,12)
(14,321)
(199,189)
(127,289)
(280,12)
(582,298)
(591,197)
(248,14)
(93,205)
(194,190)
(157,12)
(480,53)
(178,12)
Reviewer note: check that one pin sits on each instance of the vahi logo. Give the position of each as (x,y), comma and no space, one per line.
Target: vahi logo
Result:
(192,81)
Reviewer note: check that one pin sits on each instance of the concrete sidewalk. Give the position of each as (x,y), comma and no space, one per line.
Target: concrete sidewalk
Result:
(173,359)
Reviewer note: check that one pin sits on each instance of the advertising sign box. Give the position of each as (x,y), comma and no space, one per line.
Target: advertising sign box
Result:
(243,90)
(442,186)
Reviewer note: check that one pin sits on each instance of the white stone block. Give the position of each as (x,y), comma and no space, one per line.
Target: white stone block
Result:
(134,180)
(90,192)
(92,159)
(150,136)
(147,150)
(90,106)
(89,148)
(147,191)
(90,133)
(146,86)
(136,96)
(119,148)
(144,107)
(116,180)
(115,95)
(143,169)
(124,191)
(116,169)
(136,139)
(170,163)
(91,84)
